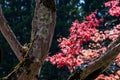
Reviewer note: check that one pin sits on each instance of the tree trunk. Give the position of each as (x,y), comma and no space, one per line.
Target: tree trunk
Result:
(43,25)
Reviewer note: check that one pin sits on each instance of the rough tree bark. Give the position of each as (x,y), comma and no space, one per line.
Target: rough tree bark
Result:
(43,25)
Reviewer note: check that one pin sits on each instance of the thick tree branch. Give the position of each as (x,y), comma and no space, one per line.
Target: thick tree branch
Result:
(99,64)
(43,25)
(9,36)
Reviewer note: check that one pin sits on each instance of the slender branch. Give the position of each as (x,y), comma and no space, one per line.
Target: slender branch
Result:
(9,36)
(99,64)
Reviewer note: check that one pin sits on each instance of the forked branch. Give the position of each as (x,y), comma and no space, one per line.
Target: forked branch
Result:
(43,25)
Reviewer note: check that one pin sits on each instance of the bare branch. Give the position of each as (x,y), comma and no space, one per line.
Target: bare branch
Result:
(9,36)
(99,64)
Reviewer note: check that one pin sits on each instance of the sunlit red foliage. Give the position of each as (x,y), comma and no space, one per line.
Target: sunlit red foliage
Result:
(115,8)
(73,53)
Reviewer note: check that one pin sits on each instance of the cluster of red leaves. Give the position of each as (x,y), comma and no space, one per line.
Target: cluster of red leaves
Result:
(95,48)
(114,33)
(115,76)
(115,8)
(72,53)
